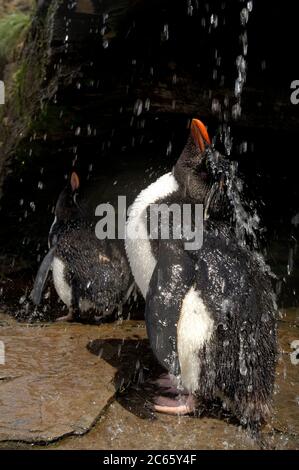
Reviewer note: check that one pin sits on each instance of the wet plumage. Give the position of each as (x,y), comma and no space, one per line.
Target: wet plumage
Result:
(88,273)
(210,313)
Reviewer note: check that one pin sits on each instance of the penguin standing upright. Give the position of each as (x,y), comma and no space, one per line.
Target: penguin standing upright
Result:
(88,273)
(210,312)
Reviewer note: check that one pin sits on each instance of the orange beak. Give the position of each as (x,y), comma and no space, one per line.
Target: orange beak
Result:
(200,134)
(75,182)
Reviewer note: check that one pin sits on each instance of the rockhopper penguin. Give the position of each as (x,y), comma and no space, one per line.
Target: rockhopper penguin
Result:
(210,313)
(88,273)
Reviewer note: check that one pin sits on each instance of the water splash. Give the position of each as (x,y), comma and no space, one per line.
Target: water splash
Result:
(246,223)
(245,217)
(241,62)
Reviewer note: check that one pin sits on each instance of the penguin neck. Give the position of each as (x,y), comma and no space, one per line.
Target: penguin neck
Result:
(193,184)
(138,246)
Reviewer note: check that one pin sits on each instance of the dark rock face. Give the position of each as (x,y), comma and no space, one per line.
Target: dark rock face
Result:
(13,6)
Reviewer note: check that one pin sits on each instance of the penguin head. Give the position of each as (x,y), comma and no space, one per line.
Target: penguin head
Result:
(67,208)
(200,169)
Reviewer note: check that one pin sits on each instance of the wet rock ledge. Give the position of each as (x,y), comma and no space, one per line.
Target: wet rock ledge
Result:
(53,386)
(72,386)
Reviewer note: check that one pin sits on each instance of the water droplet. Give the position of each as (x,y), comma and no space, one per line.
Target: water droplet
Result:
(190,8)
(138,107)
(265,317)
(169,148)
(216,106)
(236,111)
(165,33)
(290,262)
(244,16)
(22,299)
(243,369)
(214,20)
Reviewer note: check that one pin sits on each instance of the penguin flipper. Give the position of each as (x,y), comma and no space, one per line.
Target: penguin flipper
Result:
(41,277)
(171,280)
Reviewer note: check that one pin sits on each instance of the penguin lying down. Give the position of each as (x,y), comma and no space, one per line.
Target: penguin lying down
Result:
(210,313)
(88,273)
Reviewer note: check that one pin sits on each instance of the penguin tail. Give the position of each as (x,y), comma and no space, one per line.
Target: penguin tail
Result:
(255,413)
(41,277)
(258,413)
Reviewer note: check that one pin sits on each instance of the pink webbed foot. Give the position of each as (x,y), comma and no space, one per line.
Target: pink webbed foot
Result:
(182,405)
(69,317)
(168,384)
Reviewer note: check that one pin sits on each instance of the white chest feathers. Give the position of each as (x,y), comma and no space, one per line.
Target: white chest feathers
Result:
(138,247)
(63,289)
(195,329)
